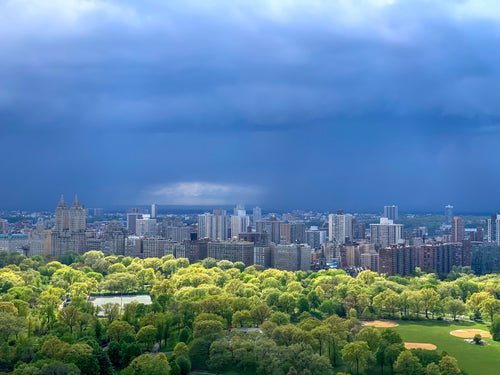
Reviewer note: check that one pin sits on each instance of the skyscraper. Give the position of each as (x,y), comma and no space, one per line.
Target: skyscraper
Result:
(340,227)
(448,214)
(493,234)
(132,215)
(154,211)
(391,212)
(385,233)
(457,229)
(68,233)
(257,214)
(213,226)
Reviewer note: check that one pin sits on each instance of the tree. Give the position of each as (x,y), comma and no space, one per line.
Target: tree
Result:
(430,298)
(432,369)
(119,329)
(495,329)
(260,313)
(455,307)
(407,364)
(9,325)
(475,301)
(449,366)
(70,316)
(220,356)
(87,364)
(147,335)
(490,307)
(371,336)
(356,354)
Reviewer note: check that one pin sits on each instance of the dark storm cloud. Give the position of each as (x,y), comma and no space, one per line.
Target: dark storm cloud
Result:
(287,103)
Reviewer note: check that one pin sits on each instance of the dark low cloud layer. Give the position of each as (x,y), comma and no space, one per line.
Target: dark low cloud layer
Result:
(308,104)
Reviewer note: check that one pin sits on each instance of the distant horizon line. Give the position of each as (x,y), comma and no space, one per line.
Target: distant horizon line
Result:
(120,208)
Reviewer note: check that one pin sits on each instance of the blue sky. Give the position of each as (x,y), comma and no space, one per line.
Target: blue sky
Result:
(285,104)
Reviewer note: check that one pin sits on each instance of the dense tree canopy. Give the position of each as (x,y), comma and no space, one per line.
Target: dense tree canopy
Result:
(221,315)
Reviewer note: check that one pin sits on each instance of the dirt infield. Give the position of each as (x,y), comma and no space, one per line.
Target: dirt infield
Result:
(380,324)
(469,333)
(418,345)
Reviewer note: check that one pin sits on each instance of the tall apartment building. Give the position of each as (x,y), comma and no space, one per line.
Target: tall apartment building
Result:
(385,233)
(271,227)
(370,260)
(176,233)
(113,239)
(291,257)
(485,258)
(315,237)
(257,214)
(239,224)
(232,250)
(262,256)
(39,240)
(213,226)
(448,214)
(397,260)
(391,212)
(441,257)
(292,232)
(146,226)
(133,214)
(68,233)
(457,229)
(493,234)
(340,227)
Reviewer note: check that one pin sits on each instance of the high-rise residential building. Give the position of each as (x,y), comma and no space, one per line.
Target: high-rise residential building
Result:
(154,211)
(315,237)
(146,226)
(133,214)
(62,216)
(457,229)
(493,234)
(239,224)
(213,226)
(77,221)
(441,257)
(271,227)
(397,260)
(232,250)
(239,210)
(448,214)
(385,233)
(113,239)
(391,212)
(291,257)
(39,240)
(68,233)
(485,258)
(257,214)
(332,252)
(370,260)
(340,227)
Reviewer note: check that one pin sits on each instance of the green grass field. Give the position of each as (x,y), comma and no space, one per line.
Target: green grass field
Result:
(473,359)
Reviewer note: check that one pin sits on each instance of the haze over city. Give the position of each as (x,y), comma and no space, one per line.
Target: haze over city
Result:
(314,105)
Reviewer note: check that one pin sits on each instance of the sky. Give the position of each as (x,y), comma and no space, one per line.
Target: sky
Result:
(308,104)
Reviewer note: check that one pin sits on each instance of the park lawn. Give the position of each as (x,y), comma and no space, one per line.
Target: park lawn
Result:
(473,359)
